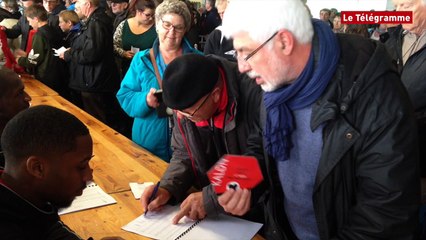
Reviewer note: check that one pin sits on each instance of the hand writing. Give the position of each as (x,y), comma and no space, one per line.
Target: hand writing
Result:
(162,197)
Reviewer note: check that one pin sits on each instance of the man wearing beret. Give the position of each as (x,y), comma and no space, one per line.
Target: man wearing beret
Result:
(215,113)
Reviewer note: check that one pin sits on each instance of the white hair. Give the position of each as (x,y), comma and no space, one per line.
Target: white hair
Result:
(261,18)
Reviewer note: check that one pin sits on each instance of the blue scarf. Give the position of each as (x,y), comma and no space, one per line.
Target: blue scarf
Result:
(304,91)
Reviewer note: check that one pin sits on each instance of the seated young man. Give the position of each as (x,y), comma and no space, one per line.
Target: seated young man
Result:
(13,99)
(47,166)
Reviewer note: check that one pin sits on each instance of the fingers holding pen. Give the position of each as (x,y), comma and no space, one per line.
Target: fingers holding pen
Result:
(161,198)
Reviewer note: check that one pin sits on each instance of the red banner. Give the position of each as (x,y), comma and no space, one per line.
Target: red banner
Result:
(376,17)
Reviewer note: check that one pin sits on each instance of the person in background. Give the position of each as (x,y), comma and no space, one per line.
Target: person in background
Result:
(53,7)
(210,18)
(407,45)
(22,27)
(325,17)
(337,24)
(13,99)
(70,25)
(216,43)
(47,166)
(41,62)
(216,113)
(144,78)
(136,33)
(94,78)
(338,126)
(120,9)
(9,10)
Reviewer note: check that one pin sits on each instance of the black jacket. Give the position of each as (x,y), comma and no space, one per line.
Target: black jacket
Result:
(91,59)
(218,45)
(46,67)
(367,184)
(241,135)
(21,220)
(413,76)
(23,28)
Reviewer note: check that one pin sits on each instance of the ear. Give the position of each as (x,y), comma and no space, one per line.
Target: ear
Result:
(36,166)
(286,42)
(216,94)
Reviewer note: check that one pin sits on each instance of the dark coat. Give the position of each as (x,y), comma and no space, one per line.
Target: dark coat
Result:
(23,28)
(218,45)
(21,220)
(91,59)
(367,184)
(413,76)
(241,135)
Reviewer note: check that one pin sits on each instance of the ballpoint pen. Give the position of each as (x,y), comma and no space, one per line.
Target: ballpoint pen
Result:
(154,193)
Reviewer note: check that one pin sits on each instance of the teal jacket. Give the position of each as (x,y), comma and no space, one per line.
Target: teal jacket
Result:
(148,131)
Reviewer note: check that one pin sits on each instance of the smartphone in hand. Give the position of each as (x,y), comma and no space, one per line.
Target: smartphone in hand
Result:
(159,95)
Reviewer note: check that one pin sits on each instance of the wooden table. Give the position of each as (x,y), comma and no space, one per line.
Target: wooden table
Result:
(35,88)
(106,222)
(117,162)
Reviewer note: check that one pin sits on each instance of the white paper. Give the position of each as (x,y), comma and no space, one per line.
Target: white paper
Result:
(93,196)
(134,49)
(139,188)
(158,225)
(59,51)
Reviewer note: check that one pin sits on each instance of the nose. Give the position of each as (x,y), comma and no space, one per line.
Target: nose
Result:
(27,97)
(88,176)
(243,66)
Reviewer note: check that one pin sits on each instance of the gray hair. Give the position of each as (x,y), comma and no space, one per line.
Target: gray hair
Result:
(261,18)
(176,7)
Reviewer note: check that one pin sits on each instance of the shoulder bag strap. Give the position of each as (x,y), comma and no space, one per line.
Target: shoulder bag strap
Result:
(154,63)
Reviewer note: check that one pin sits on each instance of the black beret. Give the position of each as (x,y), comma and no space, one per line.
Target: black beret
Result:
(187,79)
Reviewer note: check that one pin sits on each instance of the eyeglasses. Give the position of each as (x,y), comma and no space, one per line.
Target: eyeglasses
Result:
(190,116)
(147,15)
(250,55)
(168,26)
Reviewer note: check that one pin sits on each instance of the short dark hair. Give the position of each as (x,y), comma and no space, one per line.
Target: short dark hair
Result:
(37,11)
(41,131)
(141,5)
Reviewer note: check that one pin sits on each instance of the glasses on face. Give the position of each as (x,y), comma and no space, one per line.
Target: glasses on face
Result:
(191,115)
(250,55)
(147,15)
(168,26)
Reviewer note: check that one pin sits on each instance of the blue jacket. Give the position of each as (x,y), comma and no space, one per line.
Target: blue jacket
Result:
(148,131)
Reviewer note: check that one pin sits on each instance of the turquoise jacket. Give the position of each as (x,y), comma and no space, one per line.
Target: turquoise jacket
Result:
(148,131)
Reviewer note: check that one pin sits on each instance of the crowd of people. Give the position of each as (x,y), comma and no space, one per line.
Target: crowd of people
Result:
(335,114)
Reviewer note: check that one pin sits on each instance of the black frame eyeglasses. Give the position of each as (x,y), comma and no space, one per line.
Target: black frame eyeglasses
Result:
(190,116)
(250,55)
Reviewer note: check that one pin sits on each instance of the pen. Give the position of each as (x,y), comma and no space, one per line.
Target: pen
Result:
(154,193)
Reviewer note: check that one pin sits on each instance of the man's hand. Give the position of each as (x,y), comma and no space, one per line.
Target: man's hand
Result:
(192,207)
(236,202)
(161,198)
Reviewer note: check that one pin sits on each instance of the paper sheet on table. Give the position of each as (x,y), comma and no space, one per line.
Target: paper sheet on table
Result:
(93,196)
(158,225)
(139,188)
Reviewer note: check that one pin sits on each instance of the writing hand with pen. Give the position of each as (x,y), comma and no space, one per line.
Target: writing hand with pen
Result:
(192,207)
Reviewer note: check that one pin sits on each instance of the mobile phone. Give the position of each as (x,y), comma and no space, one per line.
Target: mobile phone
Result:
(159,95)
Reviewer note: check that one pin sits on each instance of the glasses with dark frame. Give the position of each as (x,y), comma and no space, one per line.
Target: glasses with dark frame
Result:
(168,26)
(191,115)
(250,55)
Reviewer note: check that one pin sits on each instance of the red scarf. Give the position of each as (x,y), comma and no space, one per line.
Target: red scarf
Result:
(219,117)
